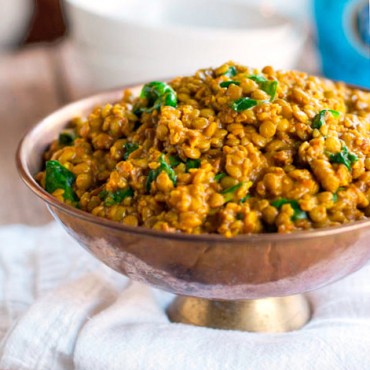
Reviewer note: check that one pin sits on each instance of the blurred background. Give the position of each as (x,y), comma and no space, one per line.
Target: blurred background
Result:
(126,41)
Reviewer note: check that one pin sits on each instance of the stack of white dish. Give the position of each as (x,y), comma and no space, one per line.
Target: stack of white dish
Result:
(129,41)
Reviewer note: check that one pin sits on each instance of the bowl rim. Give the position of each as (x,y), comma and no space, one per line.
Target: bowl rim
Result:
(32,184)
(285,22)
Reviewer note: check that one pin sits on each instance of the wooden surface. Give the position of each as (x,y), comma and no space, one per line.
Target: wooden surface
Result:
(34,82)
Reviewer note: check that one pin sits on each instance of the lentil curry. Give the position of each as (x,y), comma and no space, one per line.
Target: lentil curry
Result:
(232,150)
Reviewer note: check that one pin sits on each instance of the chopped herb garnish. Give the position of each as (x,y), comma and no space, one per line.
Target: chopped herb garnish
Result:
(268,86)
(335,197)
(219,176)
(229,192)
(231,72)
(137,123)
(103,194)
(242,104)
(232,189)
(189,163)
(239,216)
(67,137)
(192,163)
(344,157)
(174,160)
(228,83)
(167,168)
(280,202)
(153,174)
(245,198)
(319,119)
(298,213)
(115,197)
(156,94)
(130,148)
(258,78)
(59,177)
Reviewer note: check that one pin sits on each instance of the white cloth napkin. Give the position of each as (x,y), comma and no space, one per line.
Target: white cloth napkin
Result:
(62,309)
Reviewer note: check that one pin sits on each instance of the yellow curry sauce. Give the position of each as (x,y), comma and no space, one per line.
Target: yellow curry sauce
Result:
(231,150)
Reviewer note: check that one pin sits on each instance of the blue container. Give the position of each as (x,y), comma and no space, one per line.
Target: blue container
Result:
(343,34)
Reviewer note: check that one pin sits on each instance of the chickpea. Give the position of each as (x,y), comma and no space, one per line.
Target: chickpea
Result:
(260,95)
(235,92)
(164,183)
(162,132)
(318,214)
(210,130)
(207,112)
(216,200)
(269,214)
(131,220)
(200,123)
(333,144)
(267,129)
(84,181)
(228,182)
(283,125)
(102,141)
(268,70)
(273,183)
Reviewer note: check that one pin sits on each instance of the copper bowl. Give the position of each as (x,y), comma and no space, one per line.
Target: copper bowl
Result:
(246,267)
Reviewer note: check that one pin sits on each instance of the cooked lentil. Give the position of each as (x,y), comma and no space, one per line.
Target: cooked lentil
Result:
(231,150)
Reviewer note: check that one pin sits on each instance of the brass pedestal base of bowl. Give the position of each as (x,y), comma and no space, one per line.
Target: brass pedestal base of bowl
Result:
(273,315)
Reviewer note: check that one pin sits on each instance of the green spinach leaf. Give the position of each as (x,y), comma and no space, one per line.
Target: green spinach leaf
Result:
(220,176)
(231,72)
(110,198)
(242,104)
(174,160)
(192,163)
(245,198)
(67,137)
(298,213)
(258,78)
(153,174)
(156,94)
(59,177)
(335,195)
(229,192)
(129,148)
(344,157)
(319,119)
(228,83)
(232,189)
(268,86)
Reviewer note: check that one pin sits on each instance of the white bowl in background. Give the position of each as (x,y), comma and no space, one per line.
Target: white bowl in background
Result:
(14,20)
(129,41)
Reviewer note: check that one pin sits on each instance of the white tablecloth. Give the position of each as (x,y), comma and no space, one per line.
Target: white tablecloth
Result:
(62,309)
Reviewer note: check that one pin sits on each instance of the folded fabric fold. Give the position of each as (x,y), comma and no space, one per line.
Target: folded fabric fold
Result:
(62,309)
